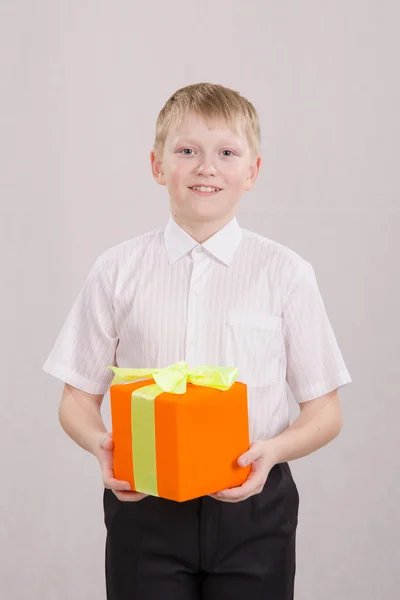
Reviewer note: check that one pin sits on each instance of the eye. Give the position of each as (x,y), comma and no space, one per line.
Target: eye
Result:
(231,153)
(186,151)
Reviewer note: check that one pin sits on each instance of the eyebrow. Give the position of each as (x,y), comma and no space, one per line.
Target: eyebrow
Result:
(190,140)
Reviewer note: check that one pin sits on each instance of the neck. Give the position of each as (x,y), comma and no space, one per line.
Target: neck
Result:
(201,231)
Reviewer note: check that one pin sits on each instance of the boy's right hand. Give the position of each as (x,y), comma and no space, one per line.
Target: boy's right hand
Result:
(104,454)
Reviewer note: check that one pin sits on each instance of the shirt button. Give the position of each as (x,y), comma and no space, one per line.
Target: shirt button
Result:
(196,292)
(197,252)
(194,341)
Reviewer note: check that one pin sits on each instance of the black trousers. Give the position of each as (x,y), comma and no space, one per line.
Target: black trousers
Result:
(204,549)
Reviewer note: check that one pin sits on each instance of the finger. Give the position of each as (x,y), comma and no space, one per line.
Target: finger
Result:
(232,501)
(107,443)
(218,497)
(229,500)
(107,471)
(129,496)
(249,488)
(255,451)
(116,484)
(107,466)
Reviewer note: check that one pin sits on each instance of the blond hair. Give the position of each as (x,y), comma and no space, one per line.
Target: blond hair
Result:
(210,101)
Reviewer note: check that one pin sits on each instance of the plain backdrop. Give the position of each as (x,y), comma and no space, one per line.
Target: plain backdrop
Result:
(81,86)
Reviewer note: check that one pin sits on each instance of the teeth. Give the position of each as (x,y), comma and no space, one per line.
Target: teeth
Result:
(205,189)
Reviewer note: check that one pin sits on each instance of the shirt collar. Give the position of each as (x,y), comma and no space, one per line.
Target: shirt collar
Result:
(221,245)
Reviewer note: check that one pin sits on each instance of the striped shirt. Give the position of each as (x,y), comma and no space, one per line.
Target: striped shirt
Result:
(238,299)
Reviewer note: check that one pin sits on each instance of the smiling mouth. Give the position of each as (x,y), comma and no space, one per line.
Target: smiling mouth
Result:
(202,189)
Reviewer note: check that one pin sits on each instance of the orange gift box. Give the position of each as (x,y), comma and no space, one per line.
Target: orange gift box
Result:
(179,434)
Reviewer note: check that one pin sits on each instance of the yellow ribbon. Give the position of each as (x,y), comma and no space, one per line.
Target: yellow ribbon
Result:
(172,379)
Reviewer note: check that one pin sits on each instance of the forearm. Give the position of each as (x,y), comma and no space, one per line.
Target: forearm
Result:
(81,419)
(317,425)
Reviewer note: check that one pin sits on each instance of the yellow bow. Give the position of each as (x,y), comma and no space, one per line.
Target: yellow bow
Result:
(174,378)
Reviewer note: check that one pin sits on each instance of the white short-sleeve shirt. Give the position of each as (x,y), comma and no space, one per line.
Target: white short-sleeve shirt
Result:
(239,299)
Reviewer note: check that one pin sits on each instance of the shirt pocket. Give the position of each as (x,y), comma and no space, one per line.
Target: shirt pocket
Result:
(253,345)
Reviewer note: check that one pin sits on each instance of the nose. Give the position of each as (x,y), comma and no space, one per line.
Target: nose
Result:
(206,167)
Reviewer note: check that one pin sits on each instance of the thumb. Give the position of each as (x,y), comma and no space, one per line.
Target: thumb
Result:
(255,451)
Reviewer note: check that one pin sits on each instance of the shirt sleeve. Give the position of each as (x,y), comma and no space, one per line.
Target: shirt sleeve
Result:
(87,342)
(315,365)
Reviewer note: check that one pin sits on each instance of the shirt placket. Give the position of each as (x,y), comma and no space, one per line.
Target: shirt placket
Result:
(195,309)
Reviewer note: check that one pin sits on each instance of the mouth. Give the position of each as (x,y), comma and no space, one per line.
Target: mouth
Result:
(203,190)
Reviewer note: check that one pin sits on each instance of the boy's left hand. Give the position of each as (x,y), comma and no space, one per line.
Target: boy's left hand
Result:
(261,463)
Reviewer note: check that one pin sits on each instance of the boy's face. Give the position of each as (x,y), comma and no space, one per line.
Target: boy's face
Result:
(201,154)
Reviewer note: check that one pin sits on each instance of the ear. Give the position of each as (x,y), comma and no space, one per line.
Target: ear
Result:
(157,167)
(254,170)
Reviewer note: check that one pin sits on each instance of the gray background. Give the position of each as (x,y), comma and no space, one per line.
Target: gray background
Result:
(82,84)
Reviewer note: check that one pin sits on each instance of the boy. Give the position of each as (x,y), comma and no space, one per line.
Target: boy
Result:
(205,291)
